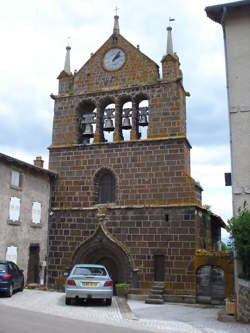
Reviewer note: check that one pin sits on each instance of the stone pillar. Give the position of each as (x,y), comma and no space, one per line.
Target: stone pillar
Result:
(134,133)
(99,137)
(118,123)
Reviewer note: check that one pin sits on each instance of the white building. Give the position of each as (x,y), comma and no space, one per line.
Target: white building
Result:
(24,204)
(235,20)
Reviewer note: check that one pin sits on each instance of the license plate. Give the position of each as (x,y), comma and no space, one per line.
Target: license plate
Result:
(89,284)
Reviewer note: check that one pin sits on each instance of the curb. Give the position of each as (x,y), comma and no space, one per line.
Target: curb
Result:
(125,309)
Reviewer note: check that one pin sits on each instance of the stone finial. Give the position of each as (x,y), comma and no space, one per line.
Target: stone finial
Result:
(38,162)
(169,41)
(67,60)
(116,29)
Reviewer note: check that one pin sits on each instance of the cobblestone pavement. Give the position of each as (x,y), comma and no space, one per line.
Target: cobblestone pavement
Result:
(167,318)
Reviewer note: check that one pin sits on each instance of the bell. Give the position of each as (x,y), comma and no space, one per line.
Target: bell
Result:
(108,125)
(143,120)
(88,131)
(126,123)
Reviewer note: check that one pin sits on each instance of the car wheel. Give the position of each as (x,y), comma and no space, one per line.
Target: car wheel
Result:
(10,291)
(67,301)
(108,301)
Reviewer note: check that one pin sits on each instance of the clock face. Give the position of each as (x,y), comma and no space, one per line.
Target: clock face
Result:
(114,59)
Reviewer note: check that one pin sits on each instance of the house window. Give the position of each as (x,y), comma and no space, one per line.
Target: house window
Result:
(14,210)
(36,212)
(107,188)
(11,254)
(15,178)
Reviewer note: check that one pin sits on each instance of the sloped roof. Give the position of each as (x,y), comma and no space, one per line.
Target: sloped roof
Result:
(215,13)
(20,163)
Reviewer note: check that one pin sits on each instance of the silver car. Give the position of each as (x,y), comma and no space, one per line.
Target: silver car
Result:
(87,282)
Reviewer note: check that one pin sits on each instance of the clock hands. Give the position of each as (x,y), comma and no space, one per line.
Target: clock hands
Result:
(116,56)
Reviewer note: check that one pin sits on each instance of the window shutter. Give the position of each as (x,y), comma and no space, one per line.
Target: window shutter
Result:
(36,212)
(14,210)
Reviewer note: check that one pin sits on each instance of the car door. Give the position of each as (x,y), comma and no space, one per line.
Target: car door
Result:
(19,275)
(14,272)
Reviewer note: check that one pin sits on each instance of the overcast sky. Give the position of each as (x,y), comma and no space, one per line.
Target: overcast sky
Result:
(33,39)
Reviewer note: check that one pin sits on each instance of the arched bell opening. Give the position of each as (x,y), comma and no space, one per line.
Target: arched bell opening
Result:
(126,120)
(143,118)
(109,122)
(86,121)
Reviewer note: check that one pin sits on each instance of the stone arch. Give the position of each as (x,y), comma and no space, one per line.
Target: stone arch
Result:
(140,97)
(143,102)
(96,181)
(107,114)
(126,102)
(102,248)
(86,116)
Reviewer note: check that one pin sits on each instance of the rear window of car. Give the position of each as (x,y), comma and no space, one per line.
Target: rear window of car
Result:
(3,268)
(96,271)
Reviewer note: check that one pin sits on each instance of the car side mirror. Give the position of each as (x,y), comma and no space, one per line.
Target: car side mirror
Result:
(21,270)
(66,274)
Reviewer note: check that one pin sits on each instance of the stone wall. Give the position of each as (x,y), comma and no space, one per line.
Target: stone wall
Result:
(146,172)
(145,232)
(166,110)
(243,306)
(137,69)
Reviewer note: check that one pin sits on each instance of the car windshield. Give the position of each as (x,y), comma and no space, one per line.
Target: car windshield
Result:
(97,271)
(2,268)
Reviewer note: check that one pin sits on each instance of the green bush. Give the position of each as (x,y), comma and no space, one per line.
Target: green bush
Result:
(239,229)
(122,285)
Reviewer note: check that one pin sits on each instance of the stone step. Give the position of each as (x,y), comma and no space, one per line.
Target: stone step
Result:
(155,296)
(154,301)
(159,283)
(157,291)
(158,288)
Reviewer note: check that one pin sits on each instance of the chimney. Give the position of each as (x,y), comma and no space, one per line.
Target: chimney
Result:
(38,162)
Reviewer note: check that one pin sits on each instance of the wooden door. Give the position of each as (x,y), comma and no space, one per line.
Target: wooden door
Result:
(33,266)
(159,267)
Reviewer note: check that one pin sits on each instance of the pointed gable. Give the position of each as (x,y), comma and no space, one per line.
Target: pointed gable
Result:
(132,67)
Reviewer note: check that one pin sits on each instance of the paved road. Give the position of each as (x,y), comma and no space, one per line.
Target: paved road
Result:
(198,318)
(166,318)
(14,320)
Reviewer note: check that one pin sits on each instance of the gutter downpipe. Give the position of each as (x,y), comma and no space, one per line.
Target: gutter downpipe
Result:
(222,22)
(50,213)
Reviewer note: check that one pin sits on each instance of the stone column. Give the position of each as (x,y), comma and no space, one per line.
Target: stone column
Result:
(118,123)
(134,133)
(99,137)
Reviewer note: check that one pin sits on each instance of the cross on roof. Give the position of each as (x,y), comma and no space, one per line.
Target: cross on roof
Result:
(116,9)
(170,20)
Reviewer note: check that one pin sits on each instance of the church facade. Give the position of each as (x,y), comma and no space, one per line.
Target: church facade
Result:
(124,196)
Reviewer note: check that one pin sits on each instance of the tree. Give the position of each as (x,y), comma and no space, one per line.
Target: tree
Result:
(239,229)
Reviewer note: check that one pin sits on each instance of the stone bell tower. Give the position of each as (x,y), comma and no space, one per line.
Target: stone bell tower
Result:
(124,196)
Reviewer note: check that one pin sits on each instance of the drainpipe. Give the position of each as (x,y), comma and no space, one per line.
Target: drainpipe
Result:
(50,214)
(222,22)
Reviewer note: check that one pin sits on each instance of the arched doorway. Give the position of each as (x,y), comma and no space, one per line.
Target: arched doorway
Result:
(100,249)
(210,284)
